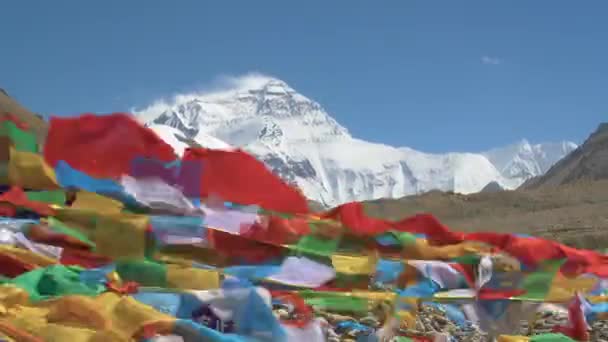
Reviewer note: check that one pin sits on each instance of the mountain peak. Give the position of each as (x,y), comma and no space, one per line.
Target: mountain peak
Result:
(252,109)
(275,86)
(250,84)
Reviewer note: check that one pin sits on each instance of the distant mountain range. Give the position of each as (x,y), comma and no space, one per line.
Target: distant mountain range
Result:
(304,145)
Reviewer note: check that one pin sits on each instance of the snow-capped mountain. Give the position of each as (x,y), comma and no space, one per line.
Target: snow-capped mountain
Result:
(523,160)
(303,144)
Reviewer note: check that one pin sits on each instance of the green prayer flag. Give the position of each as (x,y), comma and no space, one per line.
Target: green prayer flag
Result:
(54,281)
(144,272)
(402,339)
(316,245)
(538,283)
(551,338)
(335,301)
(51,197)
(22,140)
(405,238)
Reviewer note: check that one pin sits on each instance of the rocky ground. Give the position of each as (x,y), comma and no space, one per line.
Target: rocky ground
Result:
(432,320)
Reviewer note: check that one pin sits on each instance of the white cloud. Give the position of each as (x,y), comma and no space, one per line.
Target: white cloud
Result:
(491,60)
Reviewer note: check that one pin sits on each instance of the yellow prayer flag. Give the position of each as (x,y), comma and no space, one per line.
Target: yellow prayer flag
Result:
(94,202)
(422,250)
(106,317)
(564,288)
(80,219)
(375,295)
(11,295)
(29,171)
(27,256)
(180,277)
(121,236)
(347,264)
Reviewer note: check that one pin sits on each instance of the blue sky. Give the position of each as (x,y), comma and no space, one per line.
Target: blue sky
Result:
(433,75)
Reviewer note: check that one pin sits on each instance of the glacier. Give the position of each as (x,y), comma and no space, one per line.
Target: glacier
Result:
(300,142)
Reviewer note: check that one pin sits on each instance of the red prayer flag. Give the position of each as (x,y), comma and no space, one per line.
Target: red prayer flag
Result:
(17,197)
(238,177)
(82,258)
(103,146)
(11,266)
(577,325)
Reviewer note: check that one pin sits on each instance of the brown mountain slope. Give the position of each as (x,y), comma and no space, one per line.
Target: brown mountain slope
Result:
(36,123)
(589,161)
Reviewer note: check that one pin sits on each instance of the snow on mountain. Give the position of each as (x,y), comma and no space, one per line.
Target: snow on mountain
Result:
(303,144)
(523,160)
(179,141)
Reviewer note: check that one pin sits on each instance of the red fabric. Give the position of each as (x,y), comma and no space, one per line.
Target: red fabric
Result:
(18,198)
(129,287)
(103,146)
(82,258)
(8,210)
(239,247)
(531,251)
(11,266)
(303,313)
(498,294)
(238,177)
(352,216)
(260,241)
(277,230)
(422,339)
(577,324)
